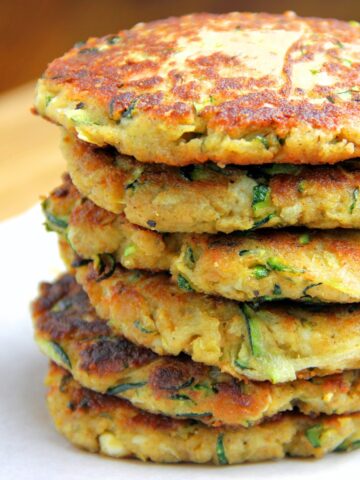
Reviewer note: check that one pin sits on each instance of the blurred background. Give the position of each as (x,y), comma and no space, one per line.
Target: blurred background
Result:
(34,32)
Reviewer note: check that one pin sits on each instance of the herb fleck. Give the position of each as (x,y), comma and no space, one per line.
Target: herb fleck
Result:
(184,284)
(260,271)
(355,196)
(313,434)
(220,450)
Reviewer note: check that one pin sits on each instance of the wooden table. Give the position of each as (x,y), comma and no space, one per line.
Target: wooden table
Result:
(30,159)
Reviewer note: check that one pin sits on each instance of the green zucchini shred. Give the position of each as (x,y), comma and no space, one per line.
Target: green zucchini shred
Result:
(282,168)
(241,365)
(181,396)
(260,192)
(220,450)
(263,221)
(275,264)
(313,434)
(301,186)
(260,138)
(194,415)
(105,264)
(277,289)
(129,250)
(113,40)
(306,289)
(260,271)
(347,445)
(275,367)
(189,258)
(139,326)
(123,387)
(209,389)
(184,284)
(55,352)
(53,223)
(261,198)
(48,99)
(355,196)
(128,112)
(200,172)
(304,239)
(253,329)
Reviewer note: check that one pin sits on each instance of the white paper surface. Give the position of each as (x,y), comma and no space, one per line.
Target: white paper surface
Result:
(30,448)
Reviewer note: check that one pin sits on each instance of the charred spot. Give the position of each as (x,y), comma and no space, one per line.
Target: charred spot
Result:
(51,293)
(152,421)
(145,83)
(114,355)
(63,308)
(154,68)
(89,213)
(84,399)
(173,375)
(120,103)
(187,91)
(234,390)
(63,190)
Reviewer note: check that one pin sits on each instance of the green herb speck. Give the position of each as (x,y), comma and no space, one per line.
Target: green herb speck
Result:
(220,450)
(313,434)
(304,239)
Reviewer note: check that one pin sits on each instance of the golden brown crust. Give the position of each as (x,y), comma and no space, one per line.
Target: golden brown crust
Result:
(175,386)
(109,425)
(233,88)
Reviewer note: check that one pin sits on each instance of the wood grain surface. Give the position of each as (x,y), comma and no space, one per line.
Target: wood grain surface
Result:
(30,159)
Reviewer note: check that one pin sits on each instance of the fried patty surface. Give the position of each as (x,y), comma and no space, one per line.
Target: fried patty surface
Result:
(278,342)
(68,331)
(208,199)
(235,88)
(111,426)
(264,265)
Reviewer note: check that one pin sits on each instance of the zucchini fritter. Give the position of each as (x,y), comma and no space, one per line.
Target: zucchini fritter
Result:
(241,88)
(276,342)
(68,331)
(209,199)
(311,266)
(111,426)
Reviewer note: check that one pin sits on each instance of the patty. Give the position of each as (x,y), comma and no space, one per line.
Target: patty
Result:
(278,342)
(208,199)
(241,88)
(68,331)
(111,426)
(266,265)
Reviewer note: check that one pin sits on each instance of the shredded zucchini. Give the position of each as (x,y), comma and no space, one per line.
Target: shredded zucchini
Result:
(220,450)
(313,434)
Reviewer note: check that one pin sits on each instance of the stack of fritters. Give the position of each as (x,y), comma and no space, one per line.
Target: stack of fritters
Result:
(208,224)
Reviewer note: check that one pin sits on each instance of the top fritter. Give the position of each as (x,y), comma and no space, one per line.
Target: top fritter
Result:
(238,88)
